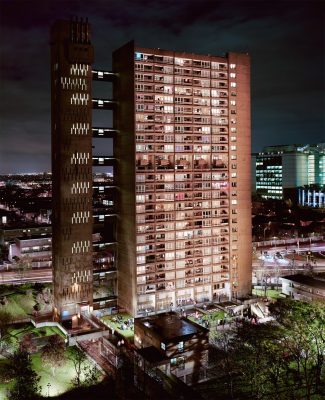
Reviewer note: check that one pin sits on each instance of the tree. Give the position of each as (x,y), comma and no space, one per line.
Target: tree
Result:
(27,343)
(223,341)
(53,353)
(86,374)
(26,380)
(23,264)
(304,339)
(250,359)
(5,321)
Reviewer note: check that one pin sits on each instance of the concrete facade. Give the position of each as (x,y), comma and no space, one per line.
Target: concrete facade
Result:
(183,171)
(71,72)
(175,345)
(304,287)
(182,149)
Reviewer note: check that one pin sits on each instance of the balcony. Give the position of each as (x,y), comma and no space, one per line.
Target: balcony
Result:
(150,279)
(160,277)
(144,164)
(218,164)
(164,163)
(150,288)
(182,163)
(150,259)
(201,164)
(188,273)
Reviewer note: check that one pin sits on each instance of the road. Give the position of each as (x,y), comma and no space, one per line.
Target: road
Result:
(270,267)
(34,275)
(267,256)
(269,262)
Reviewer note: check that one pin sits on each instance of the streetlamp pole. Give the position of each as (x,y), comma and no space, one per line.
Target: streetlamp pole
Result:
(264,230)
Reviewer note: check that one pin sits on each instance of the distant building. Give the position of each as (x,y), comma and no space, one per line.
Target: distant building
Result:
(311,196)
(10,233)
(303,287)
(171,344)
(37,249)
(278,168)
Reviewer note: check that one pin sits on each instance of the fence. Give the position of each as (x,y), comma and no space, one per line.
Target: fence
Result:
(284,242)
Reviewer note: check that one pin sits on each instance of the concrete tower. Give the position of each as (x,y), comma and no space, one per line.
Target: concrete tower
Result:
(71,81)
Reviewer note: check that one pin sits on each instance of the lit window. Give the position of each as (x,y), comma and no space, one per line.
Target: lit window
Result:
(180,346)
(232,66)
(233,84)
(138,56)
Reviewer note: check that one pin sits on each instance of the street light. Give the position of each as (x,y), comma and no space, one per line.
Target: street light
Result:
(48,389)
(274,242)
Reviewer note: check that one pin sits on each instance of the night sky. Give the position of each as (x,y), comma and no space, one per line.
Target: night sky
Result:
(284,38)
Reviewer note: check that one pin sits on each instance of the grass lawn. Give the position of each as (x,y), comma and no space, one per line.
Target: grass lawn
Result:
(59,383)
(111,321)
(18,333)
(19,305)
(212,317)
(21,299)
(29,328)
(215,315)
(272,293)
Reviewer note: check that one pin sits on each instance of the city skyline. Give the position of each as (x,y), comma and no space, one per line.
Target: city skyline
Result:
(284,40)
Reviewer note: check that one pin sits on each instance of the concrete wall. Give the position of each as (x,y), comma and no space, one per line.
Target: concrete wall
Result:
(124,148)
(241,259)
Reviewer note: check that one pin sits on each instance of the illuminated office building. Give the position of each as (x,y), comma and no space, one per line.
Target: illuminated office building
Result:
(278,168)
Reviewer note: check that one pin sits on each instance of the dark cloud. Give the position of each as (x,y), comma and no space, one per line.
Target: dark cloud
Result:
(284,38)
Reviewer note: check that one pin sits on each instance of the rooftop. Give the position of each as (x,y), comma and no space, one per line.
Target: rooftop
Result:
(35,236)
(169,326)
(306,280)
